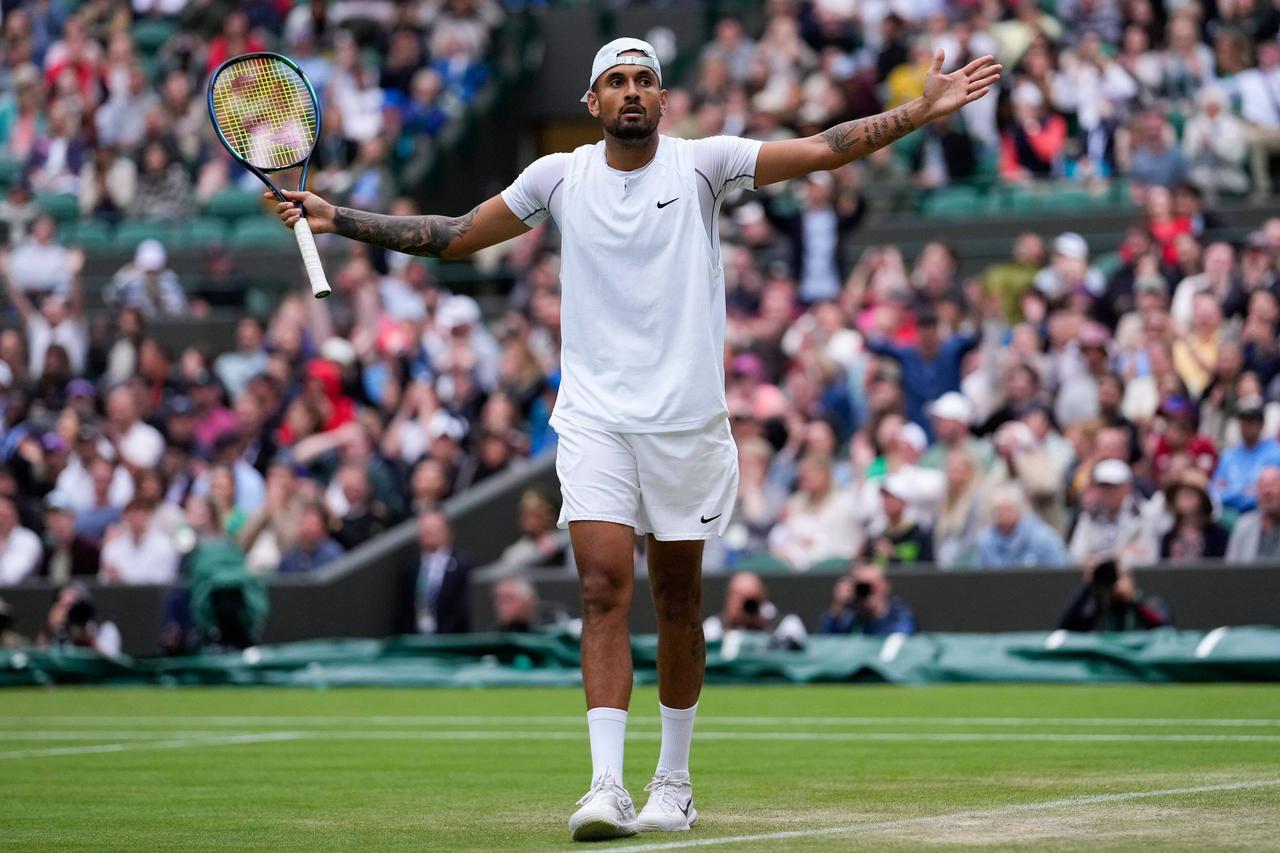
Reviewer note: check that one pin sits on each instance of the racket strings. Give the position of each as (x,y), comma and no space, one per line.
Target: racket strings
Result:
(265,112)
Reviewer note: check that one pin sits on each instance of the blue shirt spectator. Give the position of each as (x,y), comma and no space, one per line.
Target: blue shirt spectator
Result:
(314,547)
(1235,482)
(929,369)
(1018,537)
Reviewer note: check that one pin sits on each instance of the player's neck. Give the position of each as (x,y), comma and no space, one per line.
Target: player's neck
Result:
(627,155)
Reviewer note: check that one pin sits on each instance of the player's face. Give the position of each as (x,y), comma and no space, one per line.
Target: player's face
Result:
(628,101)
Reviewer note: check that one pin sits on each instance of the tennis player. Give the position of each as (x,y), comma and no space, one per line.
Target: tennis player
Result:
(644,443)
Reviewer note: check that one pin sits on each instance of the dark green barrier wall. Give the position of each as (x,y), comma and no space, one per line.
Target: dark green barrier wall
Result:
(1241,654)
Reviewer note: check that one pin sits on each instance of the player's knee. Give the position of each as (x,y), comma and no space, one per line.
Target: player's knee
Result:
(603,593)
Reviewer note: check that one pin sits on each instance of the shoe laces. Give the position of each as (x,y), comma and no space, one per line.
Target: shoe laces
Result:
(605,783)
(667,790)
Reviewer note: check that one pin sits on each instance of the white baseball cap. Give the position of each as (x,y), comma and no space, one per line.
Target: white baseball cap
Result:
(150,255)
(952,406)
(608,56)
(913,435)
(1112,472)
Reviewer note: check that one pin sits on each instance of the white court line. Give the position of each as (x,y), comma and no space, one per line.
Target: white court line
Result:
(947,819)
(580,720)
(177,743)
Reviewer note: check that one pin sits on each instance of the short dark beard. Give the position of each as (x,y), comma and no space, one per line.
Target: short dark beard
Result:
(628,133)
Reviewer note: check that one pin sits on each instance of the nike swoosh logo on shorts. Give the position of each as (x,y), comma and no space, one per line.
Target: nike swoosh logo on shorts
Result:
(663,204)
(706,520)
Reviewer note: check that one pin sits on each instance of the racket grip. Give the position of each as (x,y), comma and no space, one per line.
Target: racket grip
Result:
(311,259)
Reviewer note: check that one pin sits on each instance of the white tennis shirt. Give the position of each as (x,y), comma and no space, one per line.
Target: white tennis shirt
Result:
(642,304)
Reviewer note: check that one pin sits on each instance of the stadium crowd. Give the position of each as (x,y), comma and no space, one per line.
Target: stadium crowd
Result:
(1059,408)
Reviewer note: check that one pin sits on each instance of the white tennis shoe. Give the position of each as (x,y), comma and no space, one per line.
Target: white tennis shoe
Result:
(670,807)
(605,812)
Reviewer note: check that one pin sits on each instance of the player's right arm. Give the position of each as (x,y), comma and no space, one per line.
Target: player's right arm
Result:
(430,236)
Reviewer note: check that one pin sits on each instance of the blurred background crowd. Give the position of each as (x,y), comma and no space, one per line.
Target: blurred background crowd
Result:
(1067,406)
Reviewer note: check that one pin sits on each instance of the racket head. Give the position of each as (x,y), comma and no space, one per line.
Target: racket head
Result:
(265,112)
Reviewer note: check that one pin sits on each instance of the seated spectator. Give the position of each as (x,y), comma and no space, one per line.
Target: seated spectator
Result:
(1111,525)
(361,516)
(20,548)
(313,546)
(147,284)
(1195,535)
(235,368)
(862,604)
(1216,143)
(1256,535)
(1180,437)
(100,510)
(901,540)
(540,543)
(136,553)
(819,521)
(1236,479)
(1031,147)
(515,605)
(272,529)
(138,444)
(73,623)
(67,553)
(963,514)
(39,265)
(1017,536)
(1153,157)
(1111,601)
(433,597)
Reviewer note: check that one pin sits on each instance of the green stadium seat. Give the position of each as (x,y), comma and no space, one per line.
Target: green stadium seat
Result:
(829,566)
(234,204)
(92,235)
(259,232)
(133,231)
(61,206)
(203,232)
(10,171)
(952,202)
(763,564)
(150,35)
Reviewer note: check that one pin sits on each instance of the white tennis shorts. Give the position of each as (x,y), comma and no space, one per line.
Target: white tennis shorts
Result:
(675,485)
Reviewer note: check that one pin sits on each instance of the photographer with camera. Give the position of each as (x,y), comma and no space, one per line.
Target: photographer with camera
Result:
(1111,601)
(747,608)
(73,622)
(861,603)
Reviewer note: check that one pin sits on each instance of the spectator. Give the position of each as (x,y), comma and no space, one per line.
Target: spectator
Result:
(817,231)
(1194,534)
(1236,478)
(361,516)
(234,369)
(73,623)
(1017,537)
(1256,535)
(901,540)
(1111,601)
(59,322)
(135,552)
(140,445)
(862,604)
(10,639)
(67,552)
(819,521)
(1153,158)
(434,589)
(1111,525)
(20,548)
(747,608)
(313,547)
(1031,147)
(952,414)
(39,265)
(1216,144)
(110,488)
(963,514)
(1007,282)
(515,605)
(147,284)
(540,544)
(929,369)
(272,529)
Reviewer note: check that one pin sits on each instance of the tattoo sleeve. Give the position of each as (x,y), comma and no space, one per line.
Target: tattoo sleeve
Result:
(428,236)
(860,137)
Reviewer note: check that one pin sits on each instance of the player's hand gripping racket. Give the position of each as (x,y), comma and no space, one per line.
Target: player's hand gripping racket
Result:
(267,115)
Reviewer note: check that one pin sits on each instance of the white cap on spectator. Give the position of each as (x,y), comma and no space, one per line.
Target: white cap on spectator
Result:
(913,435)
(1072,245)
(339,351)
(899,484)
(749,213)
(458,311)
(444,424)
(610,55)
(150,256)
(952,406)
(1028,95)
(1112,472)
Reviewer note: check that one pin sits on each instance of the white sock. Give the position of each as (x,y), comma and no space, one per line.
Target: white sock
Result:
(608,730)
(677,735)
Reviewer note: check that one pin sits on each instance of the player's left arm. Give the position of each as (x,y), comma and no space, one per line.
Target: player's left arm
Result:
(852,140)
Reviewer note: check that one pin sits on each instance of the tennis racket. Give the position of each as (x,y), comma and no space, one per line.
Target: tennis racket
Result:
(267,115)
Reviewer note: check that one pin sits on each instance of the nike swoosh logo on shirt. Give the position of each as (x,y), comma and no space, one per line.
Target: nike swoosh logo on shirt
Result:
(706,520)
(663,204)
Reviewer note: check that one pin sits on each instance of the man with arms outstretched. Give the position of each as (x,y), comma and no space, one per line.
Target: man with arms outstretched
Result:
(644,443)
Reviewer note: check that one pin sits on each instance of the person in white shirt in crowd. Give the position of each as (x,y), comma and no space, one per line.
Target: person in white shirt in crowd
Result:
(140,445)
(246,361)
(1217,279)
(40,265)
(1258,90)
(819,520)
(137,553)
(20,549)
(1111,525)
(1216,143)
(148,284)
(60,319)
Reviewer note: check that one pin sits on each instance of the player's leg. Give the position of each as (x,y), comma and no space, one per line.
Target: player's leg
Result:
(601,505)
(675,579)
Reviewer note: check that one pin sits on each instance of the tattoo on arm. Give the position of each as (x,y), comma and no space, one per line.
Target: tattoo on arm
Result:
(428,236)
(862,136)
